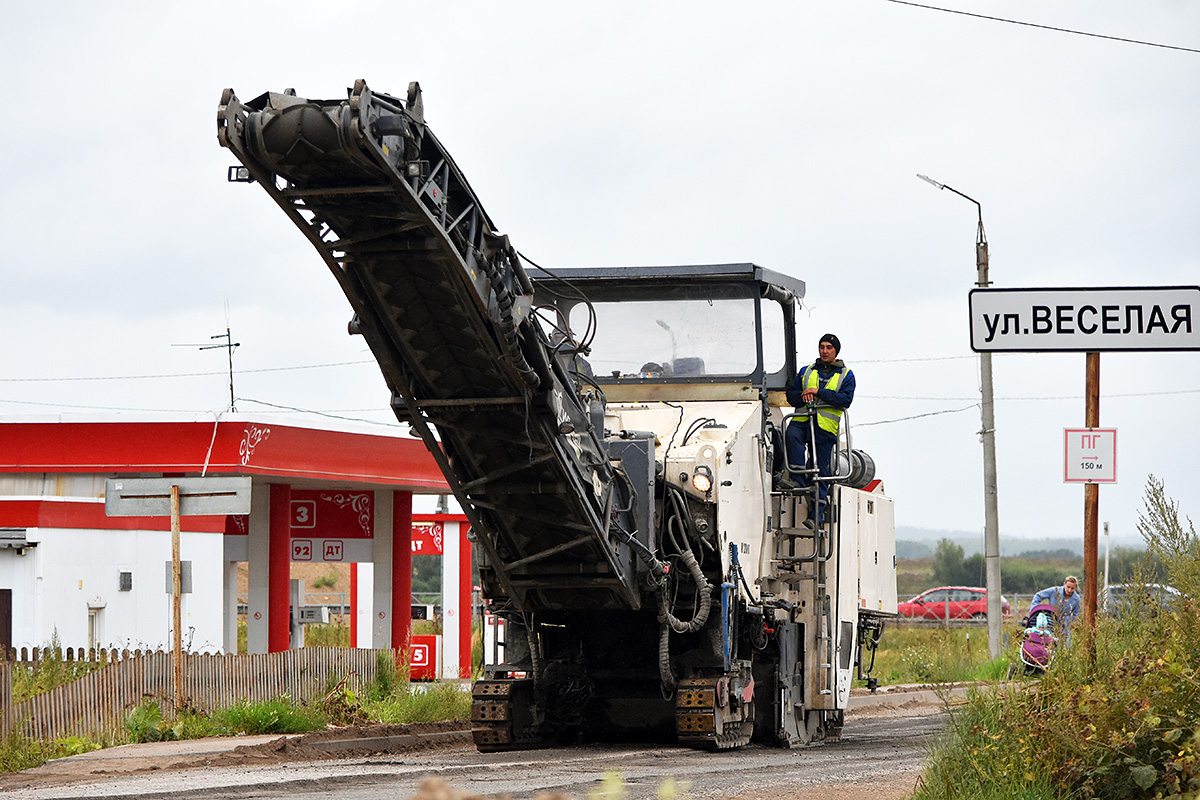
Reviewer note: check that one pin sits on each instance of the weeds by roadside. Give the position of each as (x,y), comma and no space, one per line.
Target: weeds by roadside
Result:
(1115,717)
(147,723)
(48,673)
(19,752)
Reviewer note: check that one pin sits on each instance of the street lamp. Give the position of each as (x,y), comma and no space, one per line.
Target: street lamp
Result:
(991,520)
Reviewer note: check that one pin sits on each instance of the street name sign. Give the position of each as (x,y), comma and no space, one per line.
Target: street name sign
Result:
(151,497)
(1085,319)
(1090,455)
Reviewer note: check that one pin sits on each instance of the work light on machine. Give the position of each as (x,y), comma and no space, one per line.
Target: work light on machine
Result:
(702,479)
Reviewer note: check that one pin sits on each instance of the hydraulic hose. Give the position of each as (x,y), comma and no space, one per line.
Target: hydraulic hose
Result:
(702,586)
(665,675)
(535,655)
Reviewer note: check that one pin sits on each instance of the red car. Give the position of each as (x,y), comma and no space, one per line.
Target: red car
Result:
(962,602)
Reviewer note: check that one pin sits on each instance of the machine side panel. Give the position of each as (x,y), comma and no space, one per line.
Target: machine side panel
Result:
(883,582)
(847,599)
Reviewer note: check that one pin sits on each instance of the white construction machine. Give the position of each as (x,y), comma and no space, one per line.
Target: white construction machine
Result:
(611,434)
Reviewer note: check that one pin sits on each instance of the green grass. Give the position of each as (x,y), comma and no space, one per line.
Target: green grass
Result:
(331,635)
(438,701)
(928,654)
(147,723)
(19,752)
(281,715)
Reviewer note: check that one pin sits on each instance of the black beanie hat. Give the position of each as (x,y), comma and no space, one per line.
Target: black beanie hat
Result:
(833,340)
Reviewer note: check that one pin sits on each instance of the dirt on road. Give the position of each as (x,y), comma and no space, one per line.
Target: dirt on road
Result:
(371,740)
(353,741)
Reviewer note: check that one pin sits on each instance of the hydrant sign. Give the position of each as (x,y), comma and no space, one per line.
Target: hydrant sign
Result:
(1090,455)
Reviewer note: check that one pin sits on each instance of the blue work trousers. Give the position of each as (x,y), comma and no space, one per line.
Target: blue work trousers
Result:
(798,453)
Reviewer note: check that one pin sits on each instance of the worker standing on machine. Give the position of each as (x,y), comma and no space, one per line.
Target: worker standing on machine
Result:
(824,388)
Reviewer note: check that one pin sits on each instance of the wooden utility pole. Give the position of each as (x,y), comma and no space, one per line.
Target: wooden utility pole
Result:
(176,497)
(177,599)
(1091,501)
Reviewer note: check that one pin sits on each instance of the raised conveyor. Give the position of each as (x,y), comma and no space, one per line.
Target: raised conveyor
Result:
(444,303)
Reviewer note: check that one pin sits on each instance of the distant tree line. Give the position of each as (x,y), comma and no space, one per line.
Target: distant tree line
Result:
(1030,573)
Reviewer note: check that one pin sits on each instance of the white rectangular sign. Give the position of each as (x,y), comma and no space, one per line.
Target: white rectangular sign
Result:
(1090,455)
(151,497)
(1085,320)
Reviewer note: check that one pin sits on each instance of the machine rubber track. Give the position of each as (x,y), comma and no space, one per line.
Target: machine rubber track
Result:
(708,716)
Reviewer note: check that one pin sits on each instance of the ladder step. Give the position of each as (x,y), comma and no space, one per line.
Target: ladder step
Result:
(796,533)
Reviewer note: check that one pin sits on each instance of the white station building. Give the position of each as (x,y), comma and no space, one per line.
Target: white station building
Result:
(70,573)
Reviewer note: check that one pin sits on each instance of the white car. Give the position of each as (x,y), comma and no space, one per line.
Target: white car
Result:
(1119,597)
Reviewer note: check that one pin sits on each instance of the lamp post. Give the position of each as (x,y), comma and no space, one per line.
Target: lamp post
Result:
(991,522)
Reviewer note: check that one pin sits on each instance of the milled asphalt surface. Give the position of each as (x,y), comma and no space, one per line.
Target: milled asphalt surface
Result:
(154,756)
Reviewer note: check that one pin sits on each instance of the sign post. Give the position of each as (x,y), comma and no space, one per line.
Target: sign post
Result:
(1087,320)
(1091,503)
(159,497)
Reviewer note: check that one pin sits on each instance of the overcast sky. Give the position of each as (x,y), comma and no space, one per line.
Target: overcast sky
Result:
(623,133)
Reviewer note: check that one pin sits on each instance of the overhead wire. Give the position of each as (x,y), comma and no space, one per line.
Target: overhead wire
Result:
(185,374)
(1044,27)
(1038,398)
(319,413)
(916,416)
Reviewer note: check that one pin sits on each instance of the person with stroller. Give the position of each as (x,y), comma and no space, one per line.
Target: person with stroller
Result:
(1065,601)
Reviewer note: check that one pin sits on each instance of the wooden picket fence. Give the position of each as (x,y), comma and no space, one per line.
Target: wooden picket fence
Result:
(98,702)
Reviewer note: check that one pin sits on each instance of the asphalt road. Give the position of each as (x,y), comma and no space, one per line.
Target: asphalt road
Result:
(878,757)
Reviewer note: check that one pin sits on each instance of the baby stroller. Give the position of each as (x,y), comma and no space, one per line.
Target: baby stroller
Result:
(1038,640)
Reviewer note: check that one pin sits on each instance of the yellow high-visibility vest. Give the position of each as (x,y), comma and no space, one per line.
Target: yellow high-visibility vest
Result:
(828,419)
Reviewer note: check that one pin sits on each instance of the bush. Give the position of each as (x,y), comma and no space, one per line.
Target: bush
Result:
(326,581)
(18,752)
(145,723)
(1118,714)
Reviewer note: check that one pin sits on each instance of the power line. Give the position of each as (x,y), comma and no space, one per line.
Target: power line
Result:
(916,416)
(318,413)
(1039,399)
(185,374)
(905,360)
(48,404)
(1044,27)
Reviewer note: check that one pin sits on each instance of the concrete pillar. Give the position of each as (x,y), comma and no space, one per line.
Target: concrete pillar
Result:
(258,558)
(354,604)
(456,602)
(401,570)
(229,615)
(279,632)
(295,600)
(381,590)
(364,610)
(466,610)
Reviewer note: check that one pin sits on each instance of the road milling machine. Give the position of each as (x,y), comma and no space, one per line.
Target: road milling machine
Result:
(611,435)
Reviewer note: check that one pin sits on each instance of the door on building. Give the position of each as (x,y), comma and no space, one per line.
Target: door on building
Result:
(95,628)
(6,618)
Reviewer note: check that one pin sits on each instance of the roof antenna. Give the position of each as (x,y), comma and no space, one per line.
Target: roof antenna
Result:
(229,344)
